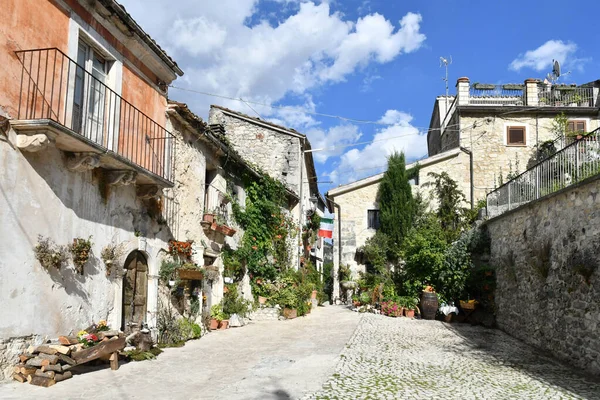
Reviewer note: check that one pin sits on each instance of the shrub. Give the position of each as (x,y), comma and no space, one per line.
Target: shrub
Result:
(188,329)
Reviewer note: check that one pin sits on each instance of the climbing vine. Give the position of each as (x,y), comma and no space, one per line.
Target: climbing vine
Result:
(268,230)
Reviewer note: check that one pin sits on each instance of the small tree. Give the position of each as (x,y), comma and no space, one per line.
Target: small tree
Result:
(396,202)
(450,212)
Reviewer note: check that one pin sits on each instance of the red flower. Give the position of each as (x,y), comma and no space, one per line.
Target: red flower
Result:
(254,248)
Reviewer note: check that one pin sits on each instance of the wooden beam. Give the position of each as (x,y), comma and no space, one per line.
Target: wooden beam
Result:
(99,350)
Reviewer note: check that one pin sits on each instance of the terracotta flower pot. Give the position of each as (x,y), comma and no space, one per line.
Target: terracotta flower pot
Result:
(409,313)
(290,313)
(313,295)
(262,300)
(224,324)
(208,217)
(214,324)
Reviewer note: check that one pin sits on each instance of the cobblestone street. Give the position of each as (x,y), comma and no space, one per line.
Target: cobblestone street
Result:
(334,354)
(398,358)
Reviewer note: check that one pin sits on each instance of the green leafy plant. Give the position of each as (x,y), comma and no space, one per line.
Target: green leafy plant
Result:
(138,355)
(188,329)
(168,270)
(216,312)
(80,250)
(50,254)
(233,303)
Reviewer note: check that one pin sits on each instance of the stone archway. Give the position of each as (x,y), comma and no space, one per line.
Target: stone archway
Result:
(135,291)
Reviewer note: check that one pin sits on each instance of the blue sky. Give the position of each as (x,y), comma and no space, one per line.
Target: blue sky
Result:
(375,60)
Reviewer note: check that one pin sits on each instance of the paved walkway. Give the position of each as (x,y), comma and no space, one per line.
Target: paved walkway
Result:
(398,358)
(263,360)
(335,354)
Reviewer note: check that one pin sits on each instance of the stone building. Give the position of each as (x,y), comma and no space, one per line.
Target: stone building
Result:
(208,175)
(480,137)
(85,154)
(282,153)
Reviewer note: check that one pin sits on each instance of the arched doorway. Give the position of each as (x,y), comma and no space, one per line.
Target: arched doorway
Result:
(135,292)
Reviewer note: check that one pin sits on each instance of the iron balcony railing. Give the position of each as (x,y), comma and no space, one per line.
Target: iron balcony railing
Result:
(55,87)
(480,94)
(574,163)
(566,96)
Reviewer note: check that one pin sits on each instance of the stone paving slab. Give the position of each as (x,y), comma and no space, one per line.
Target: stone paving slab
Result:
(263,360)
(399,358)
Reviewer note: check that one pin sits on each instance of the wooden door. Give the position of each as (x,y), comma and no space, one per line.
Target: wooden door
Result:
(135,292)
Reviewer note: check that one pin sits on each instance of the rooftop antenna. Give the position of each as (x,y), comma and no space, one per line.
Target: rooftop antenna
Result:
(553,77)
(445,62)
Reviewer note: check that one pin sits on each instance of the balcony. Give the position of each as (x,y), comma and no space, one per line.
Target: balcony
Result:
(531,93)
(61,102)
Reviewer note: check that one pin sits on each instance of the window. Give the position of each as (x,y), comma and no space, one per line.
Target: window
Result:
(515,136)
(373,219)
(576,126)
(90,93)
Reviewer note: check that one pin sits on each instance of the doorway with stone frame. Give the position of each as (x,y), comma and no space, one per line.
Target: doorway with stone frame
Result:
(135,292)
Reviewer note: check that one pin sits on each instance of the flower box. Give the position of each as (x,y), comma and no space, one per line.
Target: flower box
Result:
(225,230)
(190,274)
(208,218)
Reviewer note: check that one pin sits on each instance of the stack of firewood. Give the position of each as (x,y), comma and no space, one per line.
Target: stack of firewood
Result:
(47,364)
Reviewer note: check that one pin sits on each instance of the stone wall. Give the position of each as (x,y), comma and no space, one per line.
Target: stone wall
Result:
(40,196)
(492,158)
(275,152)
(547,255)
(354,205)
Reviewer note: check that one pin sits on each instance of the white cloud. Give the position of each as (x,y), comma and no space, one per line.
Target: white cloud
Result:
(222,54)
(401,136)
(541,58)
(332,140)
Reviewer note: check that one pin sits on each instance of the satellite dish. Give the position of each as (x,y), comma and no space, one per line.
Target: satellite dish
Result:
(556,68)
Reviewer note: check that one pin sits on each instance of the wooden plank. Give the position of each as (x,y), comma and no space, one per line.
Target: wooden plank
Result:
(114,361)
(97,351)
(62,377)
(19,377)
(41,381)
(68,340)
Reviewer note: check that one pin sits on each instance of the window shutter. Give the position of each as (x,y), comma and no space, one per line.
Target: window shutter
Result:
(516,135)
(580,126)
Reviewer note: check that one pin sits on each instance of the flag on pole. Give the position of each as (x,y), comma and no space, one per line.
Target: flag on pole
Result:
(326,228)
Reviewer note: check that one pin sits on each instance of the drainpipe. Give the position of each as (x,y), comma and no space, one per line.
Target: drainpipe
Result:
(301,205)
(336,284)
(470,153)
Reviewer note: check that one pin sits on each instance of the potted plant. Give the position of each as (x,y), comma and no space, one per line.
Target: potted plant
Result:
(409,307)
(209,216)
(356,300)
(110,254)
(190,271)
(80,250)
(216,316)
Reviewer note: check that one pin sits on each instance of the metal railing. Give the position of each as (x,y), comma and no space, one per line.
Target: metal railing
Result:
(574,163)
(496,95)
(55,87)
(566,96)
